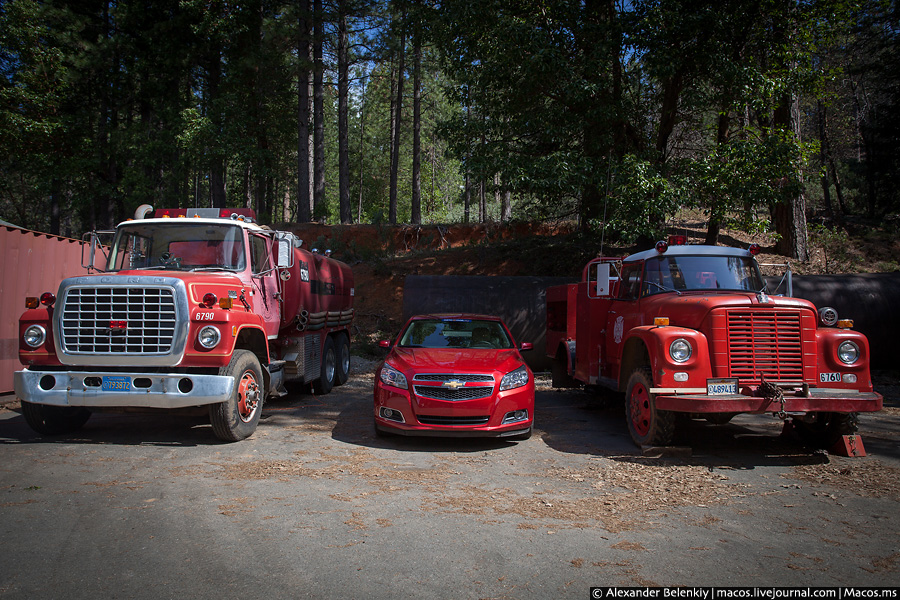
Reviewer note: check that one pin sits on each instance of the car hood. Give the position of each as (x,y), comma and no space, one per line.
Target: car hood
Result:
(446,360)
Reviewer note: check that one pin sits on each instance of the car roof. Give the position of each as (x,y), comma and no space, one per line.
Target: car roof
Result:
(457,316)
(689,250)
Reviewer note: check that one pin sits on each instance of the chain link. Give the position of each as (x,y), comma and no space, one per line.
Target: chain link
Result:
(771,391)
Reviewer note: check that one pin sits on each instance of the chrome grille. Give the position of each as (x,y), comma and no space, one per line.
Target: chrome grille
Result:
(766,344)
(463,393)
(145,319)
(468,377)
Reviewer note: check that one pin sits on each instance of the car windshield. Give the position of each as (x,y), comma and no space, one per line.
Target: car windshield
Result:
(689,273)
(455,333)
(178,246)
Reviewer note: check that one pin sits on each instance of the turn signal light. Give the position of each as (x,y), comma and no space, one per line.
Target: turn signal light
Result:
(661,321)
(32,302)
(845,323)
(225,303)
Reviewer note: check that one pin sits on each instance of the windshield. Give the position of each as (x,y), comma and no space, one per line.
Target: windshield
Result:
(177,246)
(455,333)
(688,273)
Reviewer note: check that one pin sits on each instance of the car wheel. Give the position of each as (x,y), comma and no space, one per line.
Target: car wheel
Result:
(54,420)
(647,425)
(237,417)
(325,381)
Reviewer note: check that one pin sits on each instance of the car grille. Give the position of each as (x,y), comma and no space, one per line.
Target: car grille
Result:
(764,344)
(145,317)
(435,420)
(460,391)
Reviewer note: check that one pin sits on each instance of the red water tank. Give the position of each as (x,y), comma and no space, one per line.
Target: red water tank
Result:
(318,293)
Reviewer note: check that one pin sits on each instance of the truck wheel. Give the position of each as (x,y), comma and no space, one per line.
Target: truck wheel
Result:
(559,374)
(647,425)
(826,429)
(54,420)
(237,417)
(343,359)
(326,378)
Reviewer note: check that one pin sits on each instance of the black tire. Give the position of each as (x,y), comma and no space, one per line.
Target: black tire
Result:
(237,417)
(54,420)
(826,429)
(647,425)
(521,437)
(342,353)
(327,373)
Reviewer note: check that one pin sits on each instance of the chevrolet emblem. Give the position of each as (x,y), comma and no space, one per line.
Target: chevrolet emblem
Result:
(454,384)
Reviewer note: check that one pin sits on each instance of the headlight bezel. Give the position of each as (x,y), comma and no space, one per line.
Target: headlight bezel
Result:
(515,379)
(37,334)
(393,377)
(848,352)
(209,336)
(683,353)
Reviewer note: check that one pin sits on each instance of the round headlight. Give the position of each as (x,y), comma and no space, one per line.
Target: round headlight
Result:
(828,316)
(680,350)
(848,352)
(209,336)
(34,336)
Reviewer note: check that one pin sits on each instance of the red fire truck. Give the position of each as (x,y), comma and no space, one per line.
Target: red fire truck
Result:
(189,308)
(692,330)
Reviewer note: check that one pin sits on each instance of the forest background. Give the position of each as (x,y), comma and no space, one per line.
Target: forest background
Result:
(615,115)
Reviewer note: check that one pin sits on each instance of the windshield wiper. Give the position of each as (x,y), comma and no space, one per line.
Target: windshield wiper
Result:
(663,288)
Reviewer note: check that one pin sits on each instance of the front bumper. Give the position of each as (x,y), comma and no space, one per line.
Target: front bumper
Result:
(817,400)
(492,409)
(157,390)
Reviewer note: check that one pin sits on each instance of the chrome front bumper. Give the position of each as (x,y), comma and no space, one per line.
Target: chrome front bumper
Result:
(158,390)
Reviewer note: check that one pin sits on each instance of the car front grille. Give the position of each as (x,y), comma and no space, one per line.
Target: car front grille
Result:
(118,320)
(764,343)
(454,387)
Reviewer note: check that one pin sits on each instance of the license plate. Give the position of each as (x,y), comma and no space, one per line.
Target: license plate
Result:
(830,377)
(721,387)
(116,384)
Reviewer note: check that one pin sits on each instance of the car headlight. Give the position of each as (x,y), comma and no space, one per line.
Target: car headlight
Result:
(209,337)
(680,350)
(34,336)
(848,352)
(514,379)
(392,377)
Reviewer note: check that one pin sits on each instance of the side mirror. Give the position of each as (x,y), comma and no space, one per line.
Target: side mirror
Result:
(527,346)
(91,245)
(286,242)
(385,343)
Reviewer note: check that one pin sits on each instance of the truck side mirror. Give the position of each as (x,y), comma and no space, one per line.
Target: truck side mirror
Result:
(602,283)
(285,258)
(91,245)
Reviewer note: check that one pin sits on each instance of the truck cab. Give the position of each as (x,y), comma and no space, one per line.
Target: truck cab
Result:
(692,329)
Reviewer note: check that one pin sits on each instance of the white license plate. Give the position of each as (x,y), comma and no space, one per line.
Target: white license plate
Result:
(116,384)
(830,377)
(721,387)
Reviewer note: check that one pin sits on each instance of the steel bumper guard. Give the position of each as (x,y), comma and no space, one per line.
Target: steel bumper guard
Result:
(164,390)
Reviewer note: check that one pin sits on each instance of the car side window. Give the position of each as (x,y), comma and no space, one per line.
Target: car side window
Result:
(260,258)
(630,287)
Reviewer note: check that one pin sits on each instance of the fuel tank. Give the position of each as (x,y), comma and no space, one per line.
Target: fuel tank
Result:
(318,293)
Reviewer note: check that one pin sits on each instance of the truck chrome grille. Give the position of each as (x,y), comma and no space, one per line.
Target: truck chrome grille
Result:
(120,320)
(766,344)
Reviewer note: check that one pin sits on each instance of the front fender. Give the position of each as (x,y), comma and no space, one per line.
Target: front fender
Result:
(656,341)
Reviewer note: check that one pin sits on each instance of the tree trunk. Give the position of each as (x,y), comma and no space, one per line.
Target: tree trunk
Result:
(790,214)
(304,50)
(318,108)
(416,209)
(395,143)
(343,121)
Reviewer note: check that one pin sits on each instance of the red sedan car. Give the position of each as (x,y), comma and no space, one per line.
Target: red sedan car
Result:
(455,375)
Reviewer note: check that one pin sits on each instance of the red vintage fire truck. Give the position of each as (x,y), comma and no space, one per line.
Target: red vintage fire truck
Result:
(692,330)
(188,308)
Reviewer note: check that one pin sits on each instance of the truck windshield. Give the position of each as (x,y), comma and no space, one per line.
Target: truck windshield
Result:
(455,333)
(178,246)
(702,273)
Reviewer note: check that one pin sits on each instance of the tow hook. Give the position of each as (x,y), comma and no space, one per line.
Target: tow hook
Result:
(772,392)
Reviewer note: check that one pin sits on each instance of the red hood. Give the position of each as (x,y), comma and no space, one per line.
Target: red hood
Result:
(457,361)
